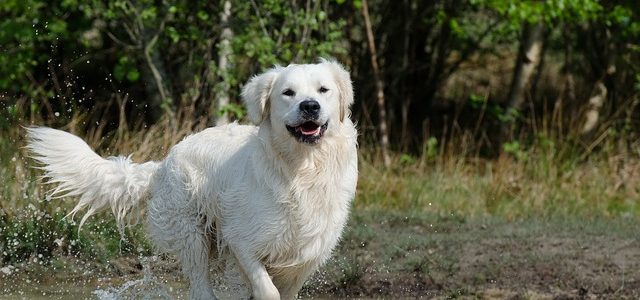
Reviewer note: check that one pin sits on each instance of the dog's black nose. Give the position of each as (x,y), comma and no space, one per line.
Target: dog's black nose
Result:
(310,107)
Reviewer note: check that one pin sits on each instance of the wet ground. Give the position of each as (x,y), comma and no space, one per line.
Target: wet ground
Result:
(398,256)
(71,278)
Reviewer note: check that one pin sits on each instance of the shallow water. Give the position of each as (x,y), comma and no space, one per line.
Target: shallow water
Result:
(103,290)
(149,287)
(43,283)
(158,279)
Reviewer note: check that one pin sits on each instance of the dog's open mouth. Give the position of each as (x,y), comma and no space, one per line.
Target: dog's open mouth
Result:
(308,132)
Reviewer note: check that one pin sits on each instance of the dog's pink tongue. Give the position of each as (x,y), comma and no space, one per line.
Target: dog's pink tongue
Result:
(307,131)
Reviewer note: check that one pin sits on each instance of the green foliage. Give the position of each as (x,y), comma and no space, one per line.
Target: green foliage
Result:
(73,56)
(46,47)
(234,110)
(28,30)
(274,32)
(494,110)
(514,148)
(125,68)
(552,11)
(406,159)
(431,149)
(35,233)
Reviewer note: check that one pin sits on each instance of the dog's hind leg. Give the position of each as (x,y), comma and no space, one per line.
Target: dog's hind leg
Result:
(191,247)
(194,257)
(176,230)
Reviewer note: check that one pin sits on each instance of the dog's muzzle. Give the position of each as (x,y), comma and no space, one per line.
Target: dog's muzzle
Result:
(309,130)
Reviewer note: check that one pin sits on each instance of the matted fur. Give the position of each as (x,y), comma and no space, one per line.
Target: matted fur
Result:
(275,204)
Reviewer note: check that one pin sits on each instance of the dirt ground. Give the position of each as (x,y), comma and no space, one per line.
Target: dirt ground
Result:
(391,256)
(394,255)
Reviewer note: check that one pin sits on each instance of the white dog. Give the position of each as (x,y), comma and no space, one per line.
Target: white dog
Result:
(276,195)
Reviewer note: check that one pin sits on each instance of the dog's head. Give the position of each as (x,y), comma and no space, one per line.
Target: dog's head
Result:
(303,100)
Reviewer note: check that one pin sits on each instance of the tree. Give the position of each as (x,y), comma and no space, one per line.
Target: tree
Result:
(423,70)
(224,63)
(528,59)
(382,111)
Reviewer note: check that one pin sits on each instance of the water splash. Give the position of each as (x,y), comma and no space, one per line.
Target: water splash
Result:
(149,287)
(227,282)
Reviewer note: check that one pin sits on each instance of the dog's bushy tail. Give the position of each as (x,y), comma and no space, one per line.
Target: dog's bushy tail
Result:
(100,183)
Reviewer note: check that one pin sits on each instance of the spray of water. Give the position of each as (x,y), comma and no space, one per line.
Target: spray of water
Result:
(149,287)
(228,283)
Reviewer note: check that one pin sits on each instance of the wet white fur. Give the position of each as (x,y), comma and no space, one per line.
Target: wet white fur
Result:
(276,205)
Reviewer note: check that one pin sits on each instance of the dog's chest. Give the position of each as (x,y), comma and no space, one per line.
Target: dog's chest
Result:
(313,220)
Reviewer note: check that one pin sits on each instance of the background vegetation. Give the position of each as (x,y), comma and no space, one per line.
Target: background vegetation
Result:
(491,71)
(466,108)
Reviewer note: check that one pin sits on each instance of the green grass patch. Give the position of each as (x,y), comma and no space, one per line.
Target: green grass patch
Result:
(506,187)
(33,234)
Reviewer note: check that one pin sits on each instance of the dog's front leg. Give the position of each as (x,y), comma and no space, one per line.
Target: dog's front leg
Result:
(261,285)
(291,287)
(290,280)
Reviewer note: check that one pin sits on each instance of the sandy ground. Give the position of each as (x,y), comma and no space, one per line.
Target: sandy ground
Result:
(392,256)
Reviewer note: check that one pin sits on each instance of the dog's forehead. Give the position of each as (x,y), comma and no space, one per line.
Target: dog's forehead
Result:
(313,74)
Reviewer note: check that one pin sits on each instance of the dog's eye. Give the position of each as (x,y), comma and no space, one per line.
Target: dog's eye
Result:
(323,90)
(288,92)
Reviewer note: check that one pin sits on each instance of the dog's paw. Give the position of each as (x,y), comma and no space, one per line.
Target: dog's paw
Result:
(266,292)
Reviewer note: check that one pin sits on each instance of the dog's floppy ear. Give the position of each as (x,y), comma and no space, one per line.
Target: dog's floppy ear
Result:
(255,94)
(345,88)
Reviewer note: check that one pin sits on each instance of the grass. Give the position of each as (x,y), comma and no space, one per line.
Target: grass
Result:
(537,182)
(605,185)
(442,223)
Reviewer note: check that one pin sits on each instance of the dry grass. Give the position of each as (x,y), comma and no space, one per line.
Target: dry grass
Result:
(525,182)
(538,180)
(540,184)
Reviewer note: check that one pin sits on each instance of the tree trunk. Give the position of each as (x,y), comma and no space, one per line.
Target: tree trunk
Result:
(224,58)
(600,92)
(406,96)
(596,101)
(382,112)
(529,58)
